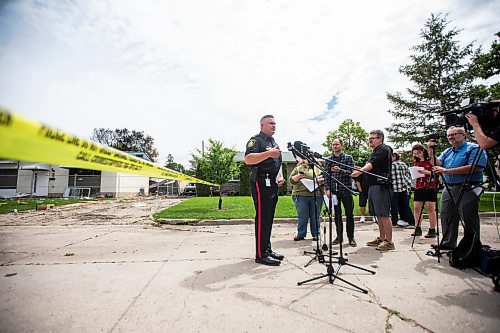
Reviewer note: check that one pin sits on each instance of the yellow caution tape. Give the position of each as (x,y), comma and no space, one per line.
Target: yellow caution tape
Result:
(25,140)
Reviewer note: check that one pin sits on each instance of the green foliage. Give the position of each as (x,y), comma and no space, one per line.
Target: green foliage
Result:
(283,189)
(234,208)
(242,208)
(355,140)
(215,165)
(23,204)
(488,64)
(170,164)
(125,140)
(244,179)
(442,73)
(202,190)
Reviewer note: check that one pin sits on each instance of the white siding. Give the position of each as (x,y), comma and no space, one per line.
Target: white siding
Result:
(109,182)
(60,183)
(130,185)
(123,185)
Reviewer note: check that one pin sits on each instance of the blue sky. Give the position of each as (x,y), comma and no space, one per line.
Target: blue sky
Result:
(187,71)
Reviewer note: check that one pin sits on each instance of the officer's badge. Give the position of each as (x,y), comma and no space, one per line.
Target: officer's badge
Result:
(251,143)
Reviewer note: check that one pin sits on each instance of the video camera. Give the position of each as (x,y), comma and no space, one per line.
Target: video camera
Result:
(487,114)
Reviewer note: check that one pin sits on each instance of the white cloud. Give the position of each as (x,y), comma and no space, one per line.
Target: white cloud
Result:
(186,71)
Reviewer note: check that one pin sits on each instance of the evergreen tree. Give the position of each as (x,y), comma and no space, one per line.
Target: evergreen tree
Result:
(487,66)
(172,165)
(442,73)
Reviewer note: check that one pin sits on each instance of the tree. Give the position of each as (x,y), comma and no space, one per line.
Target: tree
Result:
(442,73)
(125,140)
(217,164)
(170,164)
(487,66)
(355,140)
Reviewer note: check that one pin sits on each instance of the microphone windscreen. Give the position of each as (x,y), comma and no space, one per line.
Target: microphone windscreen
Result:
(299,145)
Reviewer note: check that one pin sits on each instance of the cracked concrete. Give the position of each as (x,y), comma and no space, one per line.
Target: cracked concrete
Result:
(129,274)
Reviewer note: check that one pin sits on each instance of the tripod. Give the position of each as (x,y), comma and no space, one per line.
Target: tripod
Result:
(331,273)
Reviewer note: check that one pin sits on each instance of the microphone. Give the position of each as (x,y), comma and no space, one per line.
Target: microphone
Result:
(299,149)
(317,155)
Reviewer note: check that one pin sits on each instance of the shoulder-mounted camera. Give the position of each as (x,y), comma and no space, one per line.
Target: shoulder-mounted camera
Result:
(487,114)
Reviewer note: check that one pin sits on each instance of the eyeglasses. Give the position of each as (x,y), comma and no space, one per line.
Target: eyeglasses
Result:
(453,134)
(377,137)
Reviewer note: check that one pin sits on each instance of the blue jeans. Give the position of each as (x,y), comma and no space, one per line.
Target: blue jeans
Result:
(306,214)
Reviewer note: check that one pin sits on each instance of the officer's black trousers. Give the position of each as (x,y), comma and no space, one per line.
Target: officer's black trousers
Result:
(265,199)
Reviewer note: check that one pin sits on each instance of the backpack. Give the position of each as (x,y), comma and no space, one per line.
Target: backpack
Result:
(490,264)
(467,253)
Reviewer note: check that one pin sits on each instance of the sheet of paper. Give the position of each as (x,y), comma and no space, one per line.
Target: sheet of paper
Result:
(280,175)
(478,190)
(414,172)
(334,200)
(309,184)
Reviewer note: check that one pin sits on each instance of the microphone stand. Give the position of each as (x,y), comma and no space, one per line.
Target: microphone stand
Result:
(318,253)
(331,273)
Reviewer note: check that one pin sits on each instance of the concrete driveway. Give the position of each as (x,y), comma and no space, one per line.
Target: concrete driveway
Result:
(120,272)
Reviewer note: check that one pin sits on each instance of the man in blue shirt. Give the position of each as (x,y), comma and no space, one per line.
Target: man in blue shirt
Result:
(461,166)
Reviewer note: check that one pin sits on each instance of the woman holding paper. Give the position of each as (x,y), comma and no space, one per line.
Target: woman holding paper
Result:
(308,211)
(424,191)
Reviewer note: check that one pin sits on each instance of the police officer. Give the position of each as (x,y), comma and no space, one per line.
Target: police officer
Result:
(263,156)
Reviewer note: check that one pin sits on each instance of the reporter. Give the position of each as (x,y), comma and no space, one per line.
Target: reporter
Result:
(308,211)
(424,191)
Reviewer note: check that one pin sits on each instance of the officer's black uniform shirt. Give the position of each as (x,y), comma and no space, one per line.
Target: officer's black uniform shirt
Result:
(381,160)
(260,143)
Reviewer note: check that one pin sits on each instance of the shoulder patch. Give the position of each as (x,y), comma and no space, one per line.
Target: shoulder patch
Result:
(251,143)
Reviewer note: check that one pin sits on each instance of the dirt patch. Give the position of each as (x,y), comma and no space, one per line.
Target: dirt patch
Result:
(109,212)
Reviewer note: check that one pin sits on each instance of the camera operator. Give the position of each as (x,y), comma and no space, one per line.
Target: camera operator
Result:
(456,164)
(485,141)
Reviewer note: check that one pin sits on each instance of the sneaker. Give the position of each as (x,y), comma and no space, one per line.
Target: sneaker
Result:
(298,238)
(352,242)
(375,220)
(375,242)
(403,224)
(362,219)
(386,246)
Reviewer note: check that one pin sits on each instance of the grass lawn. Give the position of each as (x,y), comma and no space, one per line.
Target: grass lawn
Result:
(242,208)
(8,205)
